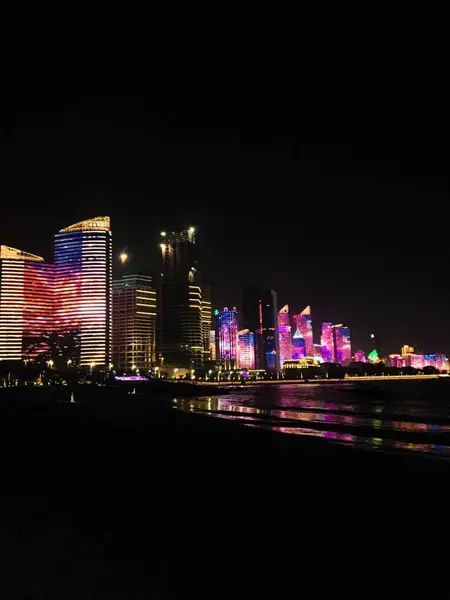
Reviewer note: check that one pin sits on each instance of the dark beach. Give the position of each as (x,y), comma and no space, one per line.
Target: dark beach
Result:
(138,500)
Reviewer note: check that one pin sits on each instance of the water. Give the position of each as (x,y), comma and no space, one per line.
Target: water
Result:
(397,416)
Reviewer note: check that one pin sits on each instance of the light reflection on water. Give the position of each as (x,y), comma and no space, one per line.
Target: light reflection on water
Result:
(392,416)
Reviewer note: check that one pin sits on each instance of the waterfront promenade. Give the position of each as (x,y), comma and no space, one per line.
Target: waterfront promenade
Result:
(326,381)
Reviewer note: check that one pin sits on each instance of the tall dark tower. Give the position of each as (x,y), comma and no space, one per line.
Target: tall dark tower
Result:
(260,315)
(181,311)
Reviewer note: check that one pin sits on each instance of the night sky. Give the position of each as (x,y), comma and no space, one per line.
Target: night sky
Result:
(359,231)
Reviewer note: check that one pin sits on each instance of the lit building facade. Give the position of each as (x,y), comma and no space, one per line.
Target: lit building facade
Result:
(298,346)
(360,356)
(83,289)
(327,342)
(407,349)
(212,345)
(260,315)
(318,353)
(183,343)
(134,312)
(284,335)
(303,322)
(206,320)
(342,344)
(246,344)
(26,304)
(227,337)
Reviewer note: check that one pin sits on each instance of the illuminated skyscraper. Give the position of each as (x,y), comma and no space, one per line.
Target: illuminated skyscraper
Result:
(342,344)
(260,315)
(298,346)
(284,335)
(183,342)
(206,320)
(360,356)
(246,342)
(83,286)
(134,322)
(327,342)
(318,353)
(407,349)
(227,337)
(26,304)
(212,344)
(304,326)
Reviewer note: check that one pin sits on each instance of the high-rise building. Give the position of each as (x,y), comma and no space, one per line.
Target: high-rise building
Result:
(183,343)
(407,349)
(260,315)
(83,286)
(304,326)
(212,345)
(26,304)
(327,342)
(227,337)
(298,346)
(246,343)
(206,320)
(134,322)
(318,353)
(342,344)
(284,335)
(360,356)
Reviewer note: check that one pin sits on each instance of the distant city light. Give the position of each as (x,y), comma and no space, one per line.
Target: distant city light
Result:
(163,234)
(191,229)
(123,257)
(372,335)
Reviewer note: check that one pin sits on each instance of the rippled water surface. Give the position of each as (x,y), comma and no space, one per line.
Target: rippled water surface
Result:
(394,416)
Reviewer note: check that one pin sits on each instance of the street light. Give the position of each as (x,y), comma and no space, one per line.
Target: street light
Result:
(50,363)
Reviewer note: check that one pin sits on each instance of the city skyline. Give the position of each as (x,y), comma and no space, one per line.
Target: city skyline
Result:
(151,170)
(72,280)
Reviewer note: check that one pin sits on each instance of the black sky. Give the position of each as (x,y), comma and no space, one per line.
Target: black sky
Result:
(359,231)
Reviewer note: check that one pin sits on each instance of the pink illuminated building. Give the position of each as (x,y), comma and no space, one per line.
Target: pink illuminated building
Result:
(327,342)
(284,335)
(303,322)
(360,356)
(227,338)
(342,344)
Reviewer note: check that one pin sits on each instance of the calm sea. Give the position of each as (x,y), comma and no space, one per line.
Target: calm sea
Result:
(395,416)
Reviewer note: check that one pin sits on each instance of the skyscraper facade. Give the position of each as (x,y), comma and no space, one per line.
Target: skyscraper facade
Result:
(327,342)
(206,320)
(298,346)
(284,335)
(83,289)
(360,356)
(304,326)
(134,322)
(227,327)
(183,342)
(260,315)
(26,304)
(246,343)
(342,344)
(212,345)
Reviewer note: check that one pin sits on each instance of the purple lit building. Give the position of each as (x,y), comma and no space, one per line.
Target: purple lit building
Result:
(342,344)
(360,356)
(298,346)
(284,335)
(246,345)
(327,342)
(304,326)
(227,337)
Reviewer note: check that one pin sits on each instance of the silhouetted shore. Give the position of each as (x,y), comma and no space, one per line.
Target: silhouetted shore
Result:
(106,501)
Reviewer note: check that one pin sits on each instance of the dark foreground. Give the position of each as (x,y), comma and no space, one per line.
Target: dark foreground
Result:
(146,502)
